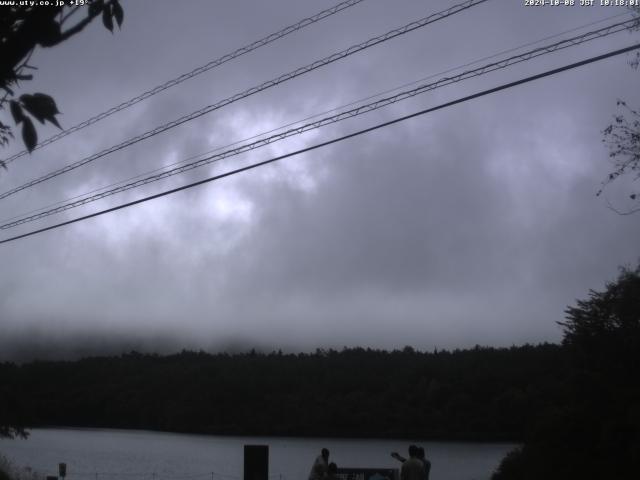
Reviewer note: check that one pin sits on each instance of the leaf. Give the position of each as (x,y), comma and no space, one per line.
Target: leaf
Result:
(107,20)
(48,101)
(54,120)
(95,8)
(29,135)
(16,111)
(41,106)
(118,13)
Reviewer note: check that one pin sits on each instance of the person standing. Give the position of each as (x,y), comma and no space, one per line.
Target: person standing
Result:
(412,468)
(320,467)
(425,463)
(333,472)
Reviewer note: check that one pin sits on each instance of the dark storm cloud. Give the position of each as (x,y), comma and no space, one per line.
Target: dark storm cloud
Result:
(475,224)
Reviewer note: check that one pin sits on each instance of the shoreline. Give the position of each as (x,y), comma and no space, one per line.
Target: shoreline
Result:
(427,439)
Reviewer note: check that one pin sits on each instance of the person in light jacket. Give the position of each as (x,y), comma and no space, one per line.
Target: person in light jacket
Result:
(320,467)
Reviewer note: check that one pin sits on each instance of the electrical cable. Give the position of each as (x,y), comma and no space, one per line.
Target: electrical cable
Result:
(330,142)
(251,91)
(315,115)
(197,71)
(526,56)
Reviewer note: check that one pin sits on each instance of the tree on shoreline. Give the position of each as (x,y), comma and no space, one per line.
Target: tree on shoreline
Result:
(596,433)
(11,418)
(13,432)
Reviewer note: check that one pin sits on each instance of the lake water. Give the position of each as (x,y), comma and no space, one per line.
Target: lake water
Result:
(141,455)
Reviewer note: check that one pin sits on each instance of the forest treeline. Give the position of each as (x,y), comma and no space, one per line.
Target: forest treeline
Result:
(475,394)
(574,406)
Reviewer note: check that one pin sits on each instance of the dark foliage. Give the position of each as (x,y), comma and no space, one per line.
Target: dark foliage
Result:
(4,475)
(623,139)
(594,432)
(22,29)
(477,394)
(12,418)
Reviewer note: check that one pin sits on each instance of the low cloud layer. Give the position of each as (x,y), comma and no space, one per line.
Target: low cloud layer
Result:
(477,224)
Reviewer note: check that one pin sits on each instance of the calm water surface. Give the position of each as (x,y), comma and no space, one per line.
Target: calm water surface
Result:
(141,455)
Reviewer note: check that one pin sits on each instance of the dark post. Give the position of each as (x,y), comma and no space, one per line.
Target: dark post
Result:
(256,462)
(62,470)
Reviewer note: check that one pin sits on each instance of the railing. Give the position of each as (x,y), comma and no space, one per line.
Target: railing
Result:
(368,474)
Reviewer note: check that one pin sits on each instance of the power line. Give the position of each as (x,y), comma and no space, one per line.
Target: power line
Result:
(330,142)
(197,71)
(491,67)
(315,115)
(251,91)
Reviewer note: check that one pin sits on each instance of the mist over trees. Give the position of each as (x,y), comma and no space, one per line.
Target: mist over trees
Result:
(576,406)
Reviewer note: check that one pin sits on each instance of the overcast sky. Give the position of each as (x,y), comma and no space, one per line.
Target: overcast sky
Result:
(477,224)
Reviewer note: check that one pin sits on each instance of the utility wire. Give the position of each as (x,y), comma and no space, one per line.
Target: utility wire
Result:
(251,91)
(316,115)
(354,102)
(330,142)
(491,67)
(197,71)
